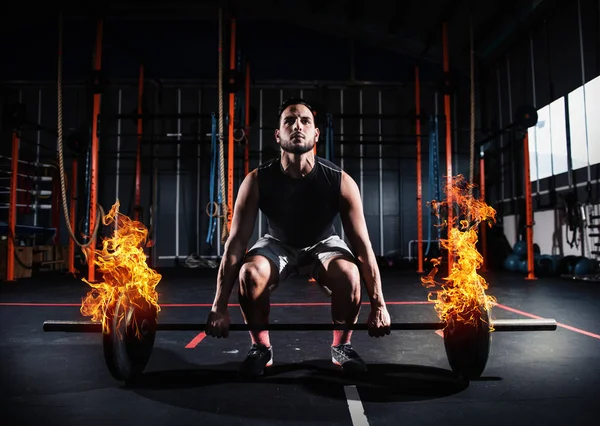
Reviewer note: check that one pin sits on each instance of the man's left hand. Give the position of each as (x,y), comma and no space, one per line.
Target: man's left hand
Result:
(379,321)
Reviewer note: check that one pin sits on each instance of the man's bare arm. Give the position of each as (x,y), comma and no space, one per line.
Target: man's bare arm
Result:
(353,220)
(242,226)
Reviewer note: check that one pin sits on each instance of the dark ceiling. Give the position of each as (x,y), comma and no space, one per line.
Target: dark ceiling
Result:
(410,27)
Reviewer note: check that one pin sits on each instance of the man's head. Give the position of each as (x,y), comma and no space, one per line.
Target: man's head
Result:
(297,133)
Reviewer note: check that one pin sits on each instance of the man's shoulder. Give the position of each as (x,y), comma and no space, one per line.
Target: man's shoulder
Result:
(268,164)
(329,165)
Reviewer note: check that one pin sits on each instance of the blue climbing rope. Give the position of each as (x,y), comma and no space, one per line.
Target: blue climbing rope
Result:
(212,220)
(329,139)
(434,177)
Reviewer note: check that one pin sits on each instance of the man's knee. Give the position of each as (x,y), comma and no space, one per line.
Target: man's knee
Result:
(255,275)
(341,274)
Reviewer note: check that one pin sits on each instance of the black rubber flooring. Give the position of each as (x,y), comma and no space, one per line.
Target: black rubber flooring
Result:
(533,378)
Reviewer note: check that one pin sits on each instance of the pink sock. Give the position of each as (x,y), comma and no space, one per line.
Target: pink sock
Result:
(341,337)
(261,338)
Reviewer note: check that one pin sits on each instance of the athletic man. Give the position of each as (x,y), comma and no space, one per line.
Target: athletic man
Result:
(301,195)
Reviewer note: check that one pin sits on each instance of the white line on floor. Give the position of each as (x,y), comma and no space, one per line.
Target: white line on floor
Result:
(357,412)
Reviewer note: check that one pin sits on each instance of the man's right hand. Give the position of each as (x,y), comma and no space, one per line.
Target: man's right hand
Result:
(217,324)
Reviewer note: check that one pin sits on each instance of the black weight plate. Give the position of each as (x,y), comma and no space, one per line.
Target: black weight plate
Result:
(468,345)
(129,341)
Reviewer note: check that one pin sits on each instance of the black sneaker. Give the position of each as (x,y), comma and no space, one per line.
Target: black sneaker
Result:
(346,357)
(259,357)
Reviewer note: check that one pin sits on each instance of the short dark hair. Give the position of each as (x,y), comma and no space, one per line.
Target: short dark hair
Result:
(293,101)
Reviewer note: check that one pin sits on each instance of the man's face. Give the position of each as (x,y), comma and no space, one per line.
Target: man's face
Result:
(297,133)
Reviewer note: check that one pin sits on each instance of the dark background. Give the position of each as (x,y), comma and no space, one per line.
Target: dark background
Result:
(341,55)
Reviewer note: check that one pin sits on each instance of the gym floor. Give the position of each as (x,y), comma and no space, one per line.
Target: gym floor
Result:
(534,378)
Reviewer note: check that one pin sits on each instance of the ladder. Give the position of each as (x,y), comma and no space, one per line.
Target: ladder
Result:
(592,225)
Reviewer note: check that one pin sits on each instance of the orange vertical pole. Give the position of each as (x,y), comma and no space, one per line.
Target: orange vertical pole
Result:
(230,127)
(483,230)
(72,213)
(94,162)
(247,123)
(12,209)
(448,139)
(419,177)
(529,210)
(138,157)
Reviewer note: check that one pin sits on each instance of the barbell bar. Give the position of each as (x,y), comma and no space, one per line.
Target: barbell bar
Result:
(499,325)
(129,341)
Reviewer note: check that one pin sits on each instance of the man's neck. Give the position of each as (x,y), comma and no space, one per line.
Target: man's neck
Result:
(297,166)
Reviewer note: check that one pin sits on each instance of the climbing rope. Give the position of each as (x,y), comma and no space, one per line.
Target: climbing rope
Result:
(329,149)
(224,208)
(434,179)
(212,208)
(61,164)
(472,120)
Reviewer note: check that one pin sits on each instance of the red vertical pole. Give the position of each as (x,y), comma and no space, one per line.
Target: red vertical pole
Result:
(483,230)
(12,209)
(247,123)
(230,151)
(448,139)
(72,214)
(94,162)
(419,177)
(529,210)
(138,157)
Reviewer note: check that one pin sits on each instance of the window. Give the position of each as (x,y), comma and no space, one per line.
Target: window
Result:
(577,129)
(533,172)
(583,145)
(558,137)
(592,103)
(543,145)
(548,154)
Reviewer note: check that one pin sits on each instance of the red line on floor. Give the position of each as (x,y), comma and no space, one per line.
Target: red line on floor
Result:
(516,311)
(194,342)
(578,330)
(39,304)
(565,326)
(206,305)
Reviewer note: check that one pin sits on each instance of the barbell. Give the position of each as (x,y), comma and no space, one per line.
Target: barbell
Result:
(129,337)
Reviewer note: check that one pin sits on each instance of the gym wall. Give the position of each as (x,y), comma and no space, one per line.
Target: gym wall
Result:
(180,152)
(546,66)
(179,80)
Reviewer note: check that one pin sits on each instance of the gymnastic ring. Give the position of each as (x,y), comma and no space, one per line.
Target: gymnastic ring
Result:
(215,209)
(238,131)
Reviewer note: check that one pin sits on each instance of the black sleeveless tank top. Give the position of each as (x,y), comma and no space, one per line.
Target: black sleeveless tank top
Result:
(300,212)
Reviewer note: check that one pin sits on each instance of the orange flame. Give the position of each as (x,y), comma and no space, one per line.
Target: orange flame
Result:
(122,265)
(463,294)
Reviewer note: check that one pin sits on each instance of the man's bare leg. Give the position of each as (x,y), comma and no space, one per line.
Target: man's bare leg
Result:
(256,276)
(342,277)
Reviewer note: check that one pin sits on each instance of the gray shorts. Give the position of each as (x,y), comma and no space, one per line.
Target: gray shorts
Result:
(293,261)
